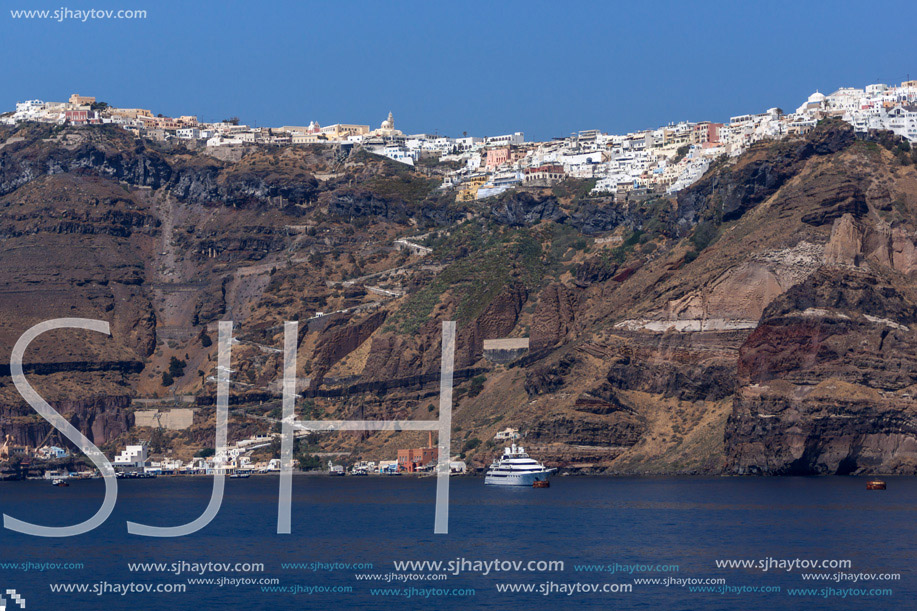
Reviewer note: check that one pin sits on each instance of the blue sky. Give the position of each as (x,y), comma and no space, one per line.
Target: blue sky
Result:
(545,68)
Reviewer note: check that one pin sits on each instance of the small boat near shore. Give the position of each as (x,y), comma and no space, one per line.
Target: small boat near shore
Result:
(60,483)
(875,485)
(134,475)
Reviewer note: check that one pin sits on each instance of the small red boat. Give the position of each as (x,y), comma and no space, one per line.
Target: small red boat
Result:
(541,483)
(875,485)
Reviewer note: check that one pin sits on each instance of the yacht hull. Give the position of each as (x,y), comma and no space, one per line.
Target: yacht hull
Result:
(516,479)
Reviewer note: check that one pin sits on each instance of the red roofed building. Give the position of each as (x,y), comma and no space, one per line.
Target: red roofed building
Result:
(544,175)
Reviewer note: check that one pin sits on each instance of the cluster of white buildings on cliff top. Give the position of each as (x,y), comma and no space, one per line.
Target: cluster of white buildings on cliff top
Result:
(664,159)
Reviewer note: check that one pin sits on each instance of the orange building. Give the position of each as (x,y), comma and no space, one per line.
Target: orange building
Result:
(412,459)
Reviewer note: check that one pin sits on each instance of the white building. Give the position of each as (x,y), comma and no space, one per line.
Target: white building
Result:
(221,141)
(814,103)
(132,456)
(694,169)
(400,154)
(188,133)
(468,143)
(514,138)
(845,98)
(30,110)
(902,121)
(507,434)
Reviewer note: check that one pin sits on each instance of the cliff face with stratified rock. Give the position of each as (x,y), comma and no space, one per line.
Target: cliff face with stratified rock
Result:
(826,380)
(762,321)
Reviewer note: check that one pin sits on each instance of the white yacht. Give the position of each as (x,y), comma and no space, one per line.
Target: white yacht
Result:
(515,468)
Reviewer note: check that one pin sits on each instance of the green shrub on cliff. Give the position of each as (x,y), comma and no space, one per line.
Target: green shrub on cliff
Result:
(477,385)
(705,233)
(471,444)
(309,462)
(176,368)
(485,261)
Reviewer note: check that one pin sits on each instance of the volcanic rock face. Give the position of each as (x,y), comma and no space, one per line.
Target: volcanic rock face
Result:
(586,430)
(554,316)
(101,226)
(72,248)
(826,380)
(548,378)
(763,321)
(755,178)
(592,219)
(818,433)
(853,243)
(339,340)
(100,419)
(843,198)
(673,365)
(356,204)
(110,153)
(500,317)
(399,357)
(594,270)
(518,209)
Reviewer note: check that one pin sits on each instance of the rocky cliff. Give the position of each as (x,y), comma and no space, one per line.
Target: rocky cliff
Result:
(761,322)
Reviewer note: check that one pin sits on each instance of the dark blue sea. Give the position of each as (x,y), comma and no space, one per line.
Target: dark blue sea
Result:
(643,543)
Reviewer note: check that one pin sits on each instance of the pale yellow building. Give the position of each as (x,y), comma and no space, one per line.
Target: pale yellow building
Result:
(129,113)
(342,131)
(387,128)
(299,138)
(81,100)
(469,190)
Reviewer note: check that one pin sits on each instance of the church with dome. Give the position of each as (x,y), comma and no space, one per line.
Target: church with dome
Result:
(816,101)
(387,129)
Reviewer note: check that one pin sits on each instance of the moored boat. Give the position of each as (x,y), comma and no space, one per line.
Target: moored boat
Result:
(516,468)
